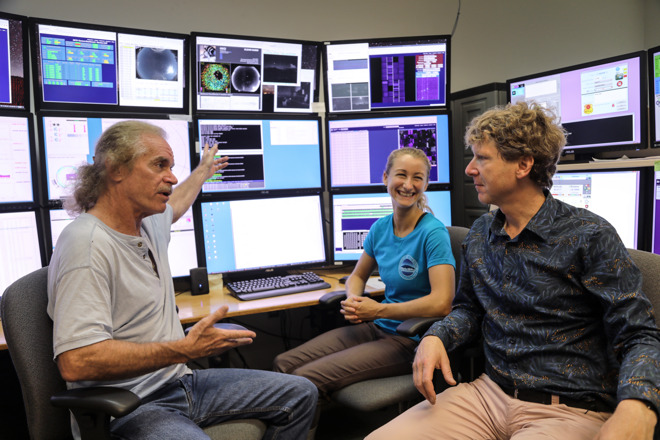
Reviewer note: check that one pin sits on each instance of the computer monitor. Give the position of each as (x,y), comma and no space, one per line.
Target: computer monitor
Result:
(182,252)
(80,66)
(387,73)
(21,251)
(266,154)
(241,73)
(354,213)
(602,104)
(616,195)
(359,145)
(18,176)
(654,94)
(655,226)
(67,140)
(14,62)
(252,237)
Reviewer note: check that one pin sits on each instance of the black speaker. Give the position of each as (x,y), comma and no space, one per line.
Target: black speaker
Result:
(199,281)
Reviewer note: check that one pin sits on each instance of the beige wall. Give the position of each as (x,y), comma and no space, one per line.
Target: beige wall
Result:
(494,40)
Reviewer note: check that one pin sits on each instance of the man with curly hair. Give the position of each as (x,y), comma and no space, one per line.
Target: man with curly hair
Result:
(571,345)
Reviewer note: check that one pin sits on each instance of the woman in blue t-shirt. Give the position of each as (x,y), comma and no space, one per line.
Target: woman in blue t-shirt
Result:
(412,252)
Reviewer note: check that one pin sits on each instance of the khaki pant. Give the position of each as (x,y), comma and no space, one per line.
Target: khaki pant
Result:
(480,410)
(347,355)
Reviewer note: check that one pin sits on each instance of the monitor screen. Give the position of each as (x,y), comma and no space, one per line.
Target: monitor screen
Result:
(82,66)
(654,89)
(21,251)
(239,73)
(359,145)
(388,73)
(655,226)
(614,195)
(241,237)
(182,252)
(602,104)
(353,215)
(66,141)
(14,61)
(264,154)
(17,160)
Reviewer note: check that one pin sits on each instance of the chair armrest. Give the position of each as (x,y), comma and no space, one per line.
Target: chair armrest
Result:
(332,298)
(222,326)
(116,402)
(415,326)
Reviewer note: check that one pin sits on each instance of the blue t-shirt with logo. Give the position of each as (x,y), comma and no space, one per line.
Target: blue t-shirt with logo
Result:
(404,263)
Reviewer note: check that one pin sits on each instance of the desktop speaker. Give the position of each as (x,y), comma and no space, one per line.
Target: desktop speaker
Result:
(199,281)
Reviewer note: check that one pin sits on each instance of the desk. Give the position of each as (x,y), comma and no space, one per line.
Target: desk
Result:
(194,308)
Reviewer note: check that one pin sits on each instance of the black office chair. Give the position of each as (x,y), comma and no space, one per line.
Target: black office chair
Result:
(29,333)
(375,394)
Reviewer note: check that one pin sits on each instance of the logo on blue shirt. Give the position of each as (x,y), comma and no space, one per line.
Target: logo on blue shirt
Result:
(408,267)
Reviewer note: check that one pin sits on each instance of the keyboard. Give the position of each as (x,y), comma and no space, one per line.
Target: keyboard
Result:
(275,286)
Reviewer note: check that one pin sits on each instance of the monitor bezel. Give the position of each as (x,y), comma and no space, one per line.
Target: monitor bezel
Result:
(41,105)
(654,111)
(582,154)
(412,40)
(193,70)
(26,63)
(34,166)
(266,271)
(196,148)
(379,115)
(57,203)
(645,198)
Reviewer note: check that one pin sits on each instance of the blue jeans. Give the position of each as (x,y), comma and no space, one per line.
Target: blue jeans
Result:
(207,397)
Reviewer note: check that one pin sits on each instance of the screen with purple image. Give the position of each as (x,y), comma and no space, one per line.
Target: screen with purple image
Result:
(654,89)
(655,248)
(14,61)
(602,104)
(388,73)
(358,145)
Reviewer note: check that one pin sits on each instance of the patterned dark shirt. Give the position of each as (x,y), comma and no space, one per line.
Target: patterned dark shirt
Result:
(560,308)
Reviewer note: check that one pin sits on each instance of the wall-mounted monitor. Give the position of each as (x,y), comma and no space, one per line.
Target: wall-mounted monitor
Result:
(14,62)
(21,251)
(240,73)
(251,237)
(182,251)
(358,145)
(386,73)
(654,94)
(18,176)
(69,139)
(78,66)
(602,104)
(620,196)
(354,213)
(266,154)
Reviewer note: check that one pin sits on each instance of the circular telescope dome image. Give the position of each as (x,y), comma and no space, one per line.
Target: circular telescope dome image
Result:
(246,79)
(158,64)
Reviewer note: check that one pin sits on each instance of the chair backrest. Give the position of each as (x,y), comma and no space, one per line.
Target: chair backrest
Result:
(649,264)
(29,333)
(456,236)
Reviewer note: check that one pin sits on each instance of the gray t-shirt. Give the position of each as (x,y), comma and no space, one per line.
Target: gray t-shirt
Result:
(102,285)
